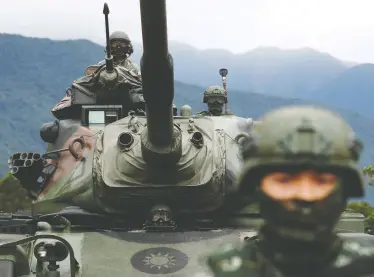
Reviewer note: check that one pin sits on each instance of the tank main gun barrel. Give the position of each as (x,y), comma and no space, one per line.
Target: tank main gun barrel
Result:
(161,141)
(157,72)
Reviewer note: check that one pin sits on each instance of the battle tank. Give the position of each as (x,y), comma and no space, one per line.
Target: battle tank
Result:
(157,181)
(107,158)
(135,196)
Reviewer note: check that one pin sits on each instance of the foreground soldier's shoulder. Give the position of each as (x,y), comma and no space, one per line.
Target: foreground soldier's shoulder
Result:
(351,251)
(231,260)
(356,249)
(355,259)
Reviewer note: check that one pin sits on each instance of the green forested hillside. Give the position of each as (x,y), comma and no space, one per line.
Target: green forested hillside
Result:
(12,196)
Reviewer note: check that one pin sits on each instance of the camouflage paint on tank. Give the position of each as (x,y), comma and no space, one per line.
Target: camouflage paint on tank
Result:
(73,178)
(210,167)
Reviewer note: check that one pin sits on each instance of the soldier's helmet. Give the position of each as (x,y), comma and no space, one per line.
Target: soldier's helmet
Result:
(124,46)
(302,137)
(215,94)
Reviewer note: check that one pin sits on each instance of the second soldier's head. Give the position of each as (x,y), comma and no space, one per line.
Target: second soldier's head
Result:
(120,45)
(215,97)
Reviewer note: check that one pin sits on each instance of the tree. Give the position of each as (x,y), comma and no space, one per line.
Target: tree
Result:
(12,196)
(369,172)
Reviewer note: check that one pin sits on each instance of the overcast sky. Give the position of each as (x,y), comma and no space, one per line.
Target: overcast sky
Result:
(343,28)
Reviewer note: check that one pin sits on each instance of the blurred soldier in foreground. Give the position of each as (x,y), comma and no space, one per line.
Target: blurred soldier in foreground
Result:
(215,97)
(121,49)
(301,165)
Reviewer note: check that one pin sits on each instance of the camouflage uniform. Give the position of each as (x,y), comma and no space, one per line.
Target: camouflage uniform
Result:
(124,86)
(120,53)
(204,113)
(228,113)
(130,65)
(301,241)
(215,97)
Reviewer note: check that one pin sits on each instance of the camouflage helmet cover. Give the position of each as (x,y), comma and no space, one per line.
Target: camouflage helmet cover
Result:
(214,91)
(302,136)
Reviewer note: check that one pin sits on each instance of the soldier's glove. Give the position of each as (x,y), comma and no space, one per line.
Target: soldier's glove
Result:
(137,99)
(136,91)
(140,112)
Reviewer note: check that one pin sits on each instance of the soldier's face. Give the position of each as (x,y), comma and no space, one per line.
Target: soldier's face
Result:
(215,109)
(302,205)
(118,47)
(215,105)
(306,186)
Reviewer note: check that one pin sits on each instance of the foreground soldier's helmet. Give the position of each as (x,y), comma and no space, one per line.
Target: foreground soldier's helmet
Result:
(302,137)
(122,36)
(213,93)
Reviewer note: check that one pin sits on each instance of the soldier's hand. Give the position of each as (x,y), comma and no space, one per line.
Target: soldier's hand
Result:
(108,79)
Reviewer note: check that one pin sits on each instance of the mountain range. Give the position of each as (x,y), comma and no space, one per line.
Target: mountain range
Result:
(299,74)
(34,74)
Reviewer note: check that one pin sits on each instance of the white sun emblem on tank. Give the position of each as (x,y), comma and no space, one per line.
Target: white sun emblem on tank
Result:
(160,260)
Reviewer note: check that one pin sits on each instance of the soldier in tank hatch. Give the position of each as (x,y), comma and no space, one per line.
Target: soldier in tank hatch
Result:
(302,174)
(121,48)
(215,97)
(99,86)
